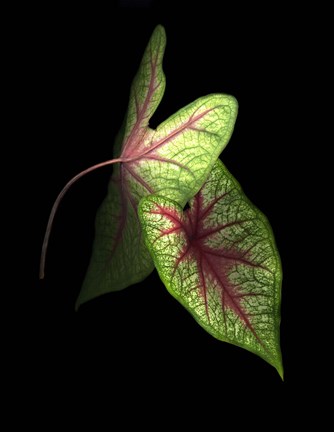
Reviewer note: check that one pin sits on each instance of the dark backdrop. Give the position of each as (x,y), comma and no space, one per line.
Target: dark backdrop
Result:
(79,64)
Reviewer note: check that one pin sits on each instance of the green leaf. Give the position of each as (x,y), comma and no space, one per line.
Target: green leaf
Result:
(219,260)
(174,160)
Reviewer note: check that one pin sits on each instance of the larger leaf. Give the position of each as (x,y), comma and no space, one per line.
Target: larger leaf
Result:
(174,160)
(219,260)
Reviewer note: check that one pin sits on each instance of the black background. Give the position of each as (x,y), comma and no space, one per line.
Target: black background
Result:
(77,67)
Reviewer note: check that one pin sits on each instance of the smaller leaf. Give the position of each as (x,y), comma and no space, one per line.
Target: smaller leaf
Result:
(219,260)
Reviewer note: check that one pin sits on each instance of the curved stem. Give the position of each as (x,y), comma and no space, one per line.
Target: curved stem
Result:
(57,202)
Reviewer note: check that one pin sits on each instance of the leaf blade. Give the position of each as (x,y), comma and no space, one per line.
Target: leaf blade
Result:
(112,263)
(146,92)
(184,148)
(229,277)
(173,160)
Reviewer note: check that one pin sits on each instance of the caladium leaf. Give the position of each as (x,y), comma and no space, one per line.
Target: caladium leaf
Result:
(174,160)
(219,260)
